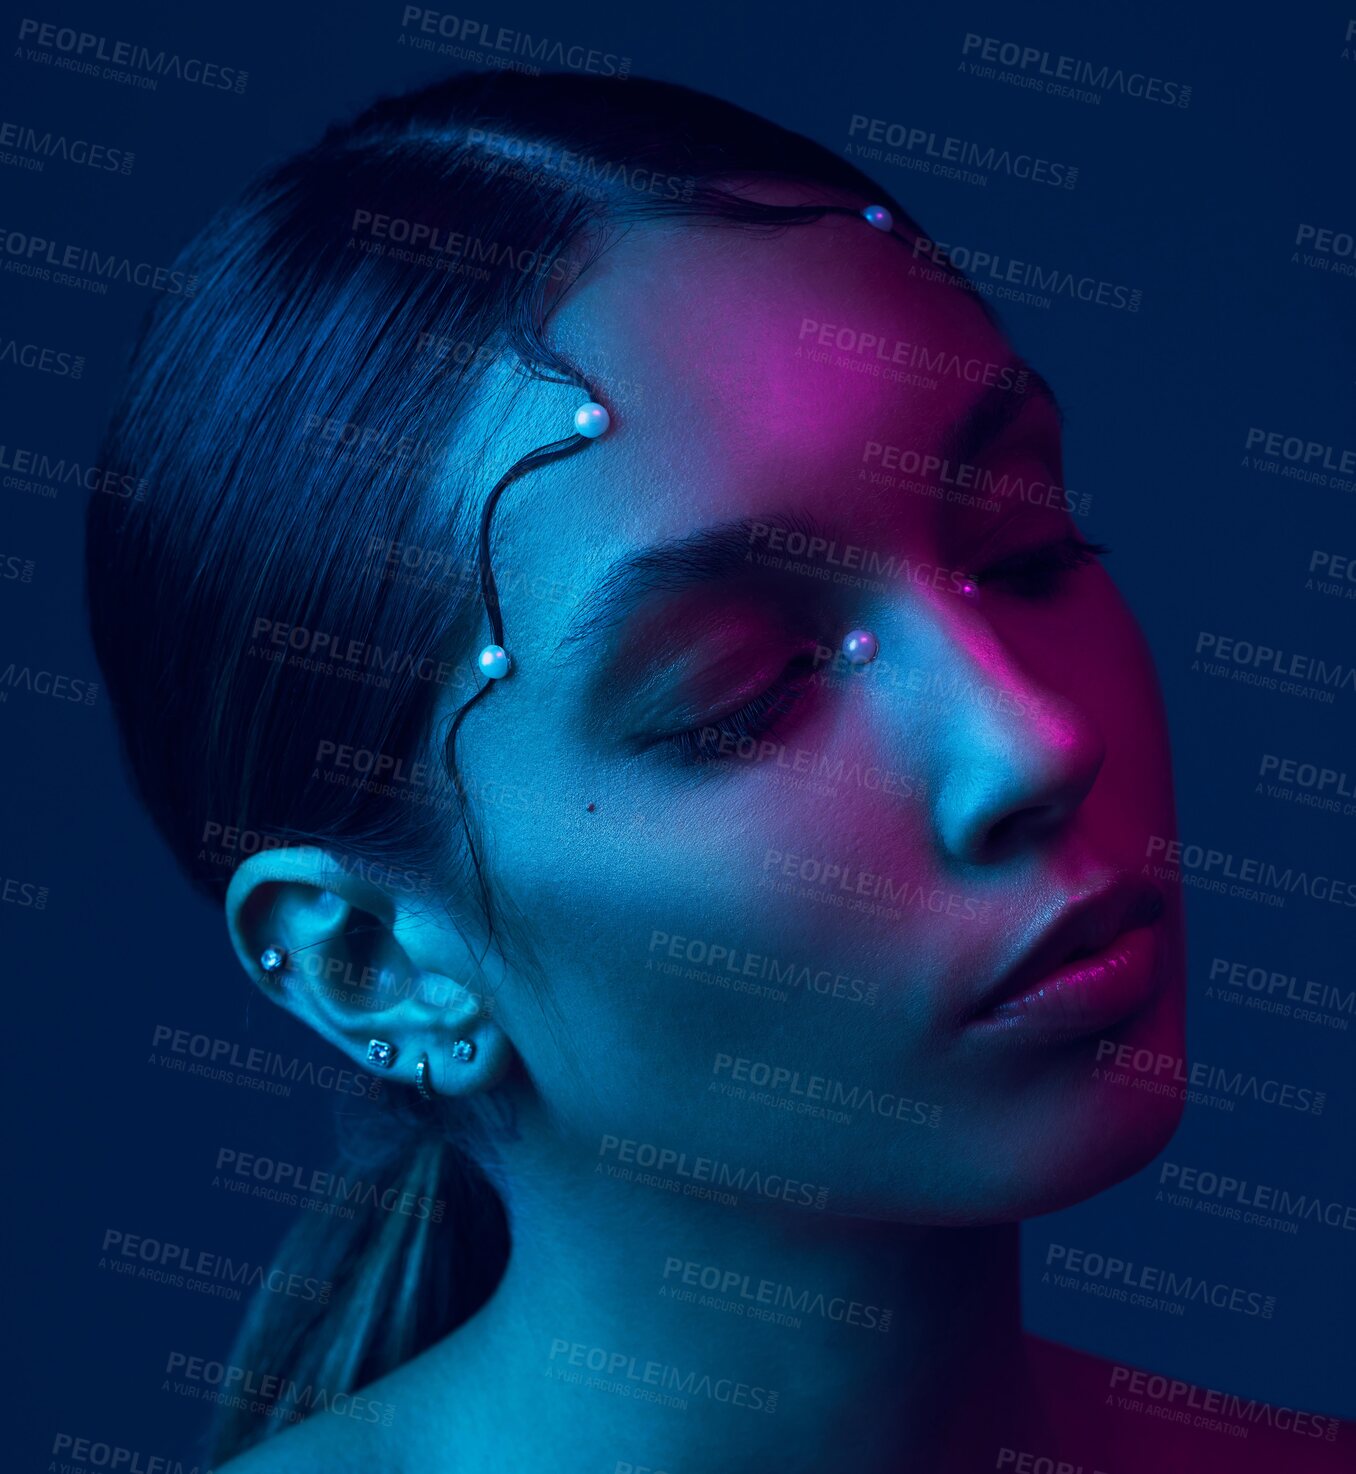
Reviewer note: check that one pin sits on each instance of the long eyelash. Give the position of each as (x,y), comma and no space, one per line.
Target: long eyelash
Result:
(715,740)
(1040,571)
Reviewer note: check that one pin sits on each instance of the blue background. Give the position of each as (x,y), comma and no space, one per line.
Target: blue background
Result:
(1197,207)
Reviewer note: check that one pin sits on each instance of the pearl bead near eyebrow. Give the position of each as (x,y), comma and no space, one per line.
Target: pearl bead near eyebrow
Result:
(878,217)
(861,647)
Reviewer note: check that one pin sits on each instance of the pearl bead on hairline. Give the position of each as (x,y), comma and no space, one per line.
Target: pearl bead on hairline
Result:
(591,420)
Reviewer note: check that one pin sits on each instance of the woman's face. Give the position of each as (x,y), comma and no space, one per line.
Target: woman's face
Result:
(771,894)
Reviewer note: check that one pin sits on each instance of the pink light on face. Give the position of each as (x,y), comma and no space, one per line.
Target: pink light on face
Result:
(913,820)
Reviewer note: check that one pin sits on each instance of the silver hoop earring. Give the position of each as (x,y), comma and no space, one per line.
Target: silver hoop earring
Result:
(421,1082)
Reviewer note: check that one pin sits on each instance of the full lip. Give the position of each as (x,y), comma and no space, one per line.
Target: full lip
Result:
(1084,928)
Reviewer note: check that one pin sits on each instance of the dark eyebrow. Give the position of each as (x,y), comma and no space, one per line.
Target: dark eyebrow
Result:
(994,411)
(721,551)
(726,549)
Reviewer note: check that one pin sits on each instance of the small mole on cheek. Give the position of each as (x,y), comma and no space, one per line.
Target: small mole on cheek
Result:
(592,807)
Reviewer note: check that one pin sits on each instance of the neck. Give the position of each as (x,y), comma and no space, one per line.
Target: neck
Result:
(640,1327)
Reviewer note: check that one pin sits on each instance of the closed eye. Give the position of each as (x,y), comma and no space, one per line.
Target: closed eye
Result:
(1042,571)
(740,733)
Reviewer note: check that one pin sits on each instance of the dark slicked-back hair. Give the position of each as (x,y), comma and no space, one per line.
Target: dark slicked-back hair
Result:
(298,422)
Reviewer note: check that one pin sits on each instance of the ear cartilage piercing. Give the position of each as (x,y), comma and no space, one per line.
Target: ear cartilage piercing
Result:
(421,1082)
(879,217)
(861,647)
(271,959)
(494,662)
(968,587)
(381,1052)
(463,1051)
(591,420)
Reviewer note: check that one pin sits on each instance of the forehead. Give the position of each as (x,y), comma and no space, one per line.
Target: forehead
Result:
(745,372)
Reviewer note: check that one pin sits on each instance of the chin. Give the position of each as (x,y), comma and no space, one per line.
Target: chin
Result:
(1039,1166)
(1095,1126)
(1089,1141)
(1113,1132)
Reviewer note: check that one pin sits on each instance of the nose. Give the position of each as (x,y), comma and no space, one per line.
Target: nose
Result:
(1014,758)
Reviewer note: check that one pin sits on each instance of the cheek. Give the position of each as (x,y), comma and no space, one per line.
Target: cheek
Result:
(675,936)
(691,922)
(1111,676)
(1087,651)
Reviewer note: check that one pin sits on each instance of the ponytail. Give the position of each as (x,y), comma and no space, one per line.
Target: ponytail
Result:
(398,1280)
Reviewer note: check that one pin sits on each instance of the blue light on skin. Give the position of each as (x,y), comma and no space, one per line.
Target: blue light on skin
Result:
(1039,770)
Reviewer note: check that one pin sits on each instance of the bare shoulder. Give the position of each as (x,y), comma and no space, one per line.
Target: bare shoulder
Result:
(1125,1419)
(320,1445)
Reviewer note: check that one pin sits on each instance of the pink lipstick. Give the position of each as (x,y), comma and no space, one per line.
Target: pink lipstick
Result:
(1095,965)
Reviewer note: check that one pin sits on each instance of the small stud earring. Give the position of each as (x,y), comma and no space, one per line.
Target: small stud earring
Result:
(463,1051)
(494,662)
(421,1080)
(879,217)
(591,420)
(271,959)
(380,1052)
(861,647)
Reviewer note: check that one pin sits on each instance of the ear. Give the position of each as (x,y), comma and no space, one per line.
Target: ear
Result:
(362,962)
